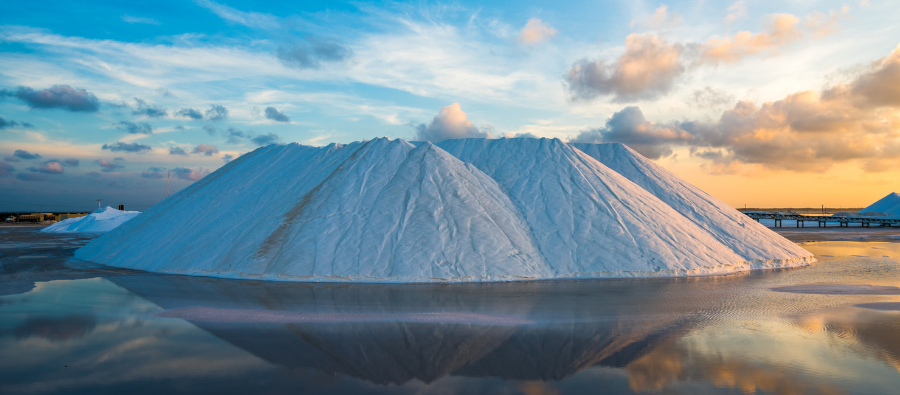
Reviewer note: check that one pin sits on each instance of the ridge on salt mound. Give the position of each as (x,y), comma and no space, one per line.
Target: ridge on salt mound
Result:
(590,221)
(378,210)
(748,238)
(889,205)
(99,221)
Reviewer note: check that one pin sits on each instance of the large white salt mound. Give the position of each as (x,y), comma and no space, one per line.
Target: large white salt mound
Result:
(379,210)
(99,221)
(748,238)
(889,205)
(590,221)
(391,211)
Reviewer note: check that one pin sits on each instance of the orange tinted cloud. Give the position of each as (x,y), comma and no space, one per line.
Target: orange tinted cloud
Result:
(648,68)
(536,31)
(781,30)
(806,131)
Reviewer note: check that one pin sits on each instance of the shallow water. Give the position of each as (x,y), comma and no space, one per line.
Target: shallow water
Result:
(66,327)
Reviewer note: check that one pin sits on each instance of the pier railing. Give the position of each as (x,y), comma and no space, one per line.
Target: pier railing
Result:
(824,220)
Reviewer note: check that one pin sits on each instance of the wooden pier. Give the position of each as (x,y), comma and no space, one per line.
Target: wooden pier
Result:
(824,220)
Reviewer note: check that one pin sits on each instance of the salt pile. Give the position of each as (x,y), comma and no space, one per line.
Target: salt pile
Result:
(391,211)
(888,205)
(748,238)
(99,221)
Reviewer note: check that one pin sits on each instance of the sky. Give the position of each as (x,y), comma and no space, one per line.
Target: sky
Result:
(763,103)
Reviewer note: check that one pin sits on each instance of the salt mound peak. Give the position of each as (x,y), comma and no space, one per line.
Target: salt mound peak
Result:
(590,221)
(378,210)
(98,221)
(748,238)
(391,211)
(889,205)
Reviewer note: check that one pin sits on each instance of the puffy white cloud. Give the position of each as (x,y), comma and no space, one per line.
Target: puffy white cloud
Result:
(628,126)
(647,68)
(450,123)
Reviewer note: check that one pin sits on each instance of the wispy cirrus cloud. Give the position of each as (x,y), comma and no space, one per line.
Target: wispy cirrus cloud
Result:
(139,20)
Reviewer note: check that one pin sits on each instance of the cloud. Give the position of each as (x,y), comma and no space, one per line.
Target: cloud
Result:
(205,149)
(736,11)
(661,18)
(22,154)
(647,69)
(48,167)
(879,86)
(249,19)
(209,129)
(806,131)
(58,96)
(227,158)
(6,169)
(536,31)
(108,166)
(135,127)
(4,124)
(187,174)
(265,139)
(821,25)
(629,127)
(234,135)
(189,113)
(216,113)
(149,110)
(450,123)
(154,172)
(273,114)
(781,30)
(165,92)
(137,19)
(177,151)
(710,97)
(30,177)
(71,162)
(311,55)
(127,147)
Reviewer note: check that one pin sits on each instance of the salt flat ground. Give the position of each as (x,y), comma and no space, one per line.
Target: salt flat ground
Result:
(73,327)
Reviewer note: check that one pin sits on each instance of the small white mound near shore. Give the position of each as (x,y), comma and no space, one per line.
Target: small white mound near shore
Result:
(470,210)
(101,220)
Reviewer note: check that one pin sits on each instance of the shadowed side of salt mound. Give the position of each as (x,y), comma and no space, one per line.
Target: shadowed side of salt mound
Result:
(748,238)
(588,220)
(379,210)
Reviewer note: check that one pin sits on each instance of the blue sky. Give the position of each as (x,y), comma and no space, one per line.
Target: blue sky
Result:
(733,95)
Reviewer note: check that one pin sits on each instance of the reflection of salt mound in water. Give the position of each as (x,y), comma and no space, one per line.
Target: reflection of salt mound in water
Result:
(889,205)
(748,238)
(551,330)
(99,221)
(389,211)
